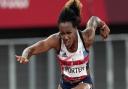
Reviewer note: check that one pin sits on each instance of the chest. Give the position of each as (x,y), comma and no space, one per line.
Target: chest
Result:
(76,56)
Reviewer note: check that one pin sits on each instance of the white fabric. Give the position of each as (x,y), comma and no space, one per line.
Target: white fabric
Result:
(80,54)
(75,71)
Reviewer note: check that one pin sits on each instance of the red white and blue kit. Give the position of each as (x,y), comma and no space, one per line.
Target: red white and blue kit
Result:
(74,65)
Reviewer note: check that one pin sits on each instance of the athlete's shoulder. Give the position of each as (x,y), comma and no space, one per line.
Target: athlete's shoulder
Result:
(82,33)
(87,32)
(55,36)
(84,36)
(55,40)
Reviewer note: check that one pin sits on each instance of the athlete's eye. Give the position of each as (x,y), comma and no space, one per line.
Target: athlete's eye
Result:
(69,32)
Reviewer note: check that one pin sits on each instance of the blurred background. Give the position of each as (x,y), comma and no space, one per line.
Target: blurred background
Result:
(24,22)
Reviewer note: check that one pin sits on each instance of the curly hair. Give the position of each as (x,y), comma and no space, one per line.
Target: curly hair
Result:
(71,12)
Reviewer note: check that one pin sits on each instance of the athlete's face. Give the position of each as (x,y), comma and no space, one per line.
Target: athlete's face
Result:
(67,33)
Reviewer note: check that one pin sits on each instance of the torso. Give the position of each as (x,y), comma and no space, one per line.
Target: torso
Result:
(73,64)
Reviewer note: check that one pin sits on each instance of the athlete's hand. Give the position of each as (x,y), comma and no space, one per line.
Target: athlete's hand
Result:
(104,31)
(22,59)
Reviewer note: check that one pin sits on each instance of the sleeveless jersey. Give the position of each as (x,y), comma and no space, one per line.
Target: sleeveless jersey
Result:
(73,65)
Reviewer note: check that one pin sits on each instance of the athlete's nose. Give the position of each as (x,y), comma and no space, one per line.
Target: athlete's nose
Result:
(66,38)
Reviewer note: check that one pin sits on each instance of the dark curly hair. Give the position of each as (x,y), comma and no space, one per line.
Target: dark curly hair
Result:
(71,13)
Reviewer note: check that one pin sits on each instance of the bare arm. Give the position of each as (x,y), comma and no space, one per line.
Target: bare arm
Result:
(89,33)
(39,47)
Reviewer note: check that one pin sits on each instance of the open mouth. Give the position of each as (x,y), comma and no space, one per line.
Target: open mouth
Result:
(67,43)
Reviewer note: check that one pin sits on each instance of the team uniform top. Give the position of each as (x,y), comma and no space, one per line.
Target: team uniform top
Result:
(74,65)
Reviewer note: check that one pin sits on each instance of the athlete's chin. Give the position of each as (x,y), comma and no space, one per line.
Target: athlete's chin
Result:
(68,45)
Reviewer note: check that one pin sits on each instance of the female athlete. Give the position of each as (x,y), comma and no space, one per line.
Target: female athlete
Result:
(72,46)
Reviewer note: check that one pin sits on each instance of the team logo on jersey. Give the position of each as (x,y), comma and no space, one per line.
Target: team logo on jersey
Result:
(64,54)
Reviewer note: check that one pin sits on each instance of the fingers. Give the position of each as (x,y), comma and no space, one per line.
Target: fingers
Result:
(21,59)
(105,32)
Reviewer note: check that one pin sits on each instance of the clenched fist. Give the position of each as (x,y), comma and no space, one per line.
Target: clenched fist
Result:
(104,31)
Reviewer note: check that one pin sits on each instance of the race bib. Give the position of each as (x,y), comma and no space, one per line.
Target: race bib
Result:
(75,70)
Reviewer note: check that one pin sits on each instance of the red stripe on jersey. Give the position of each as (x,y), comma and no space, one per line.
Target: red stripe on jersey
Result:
(69,63)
